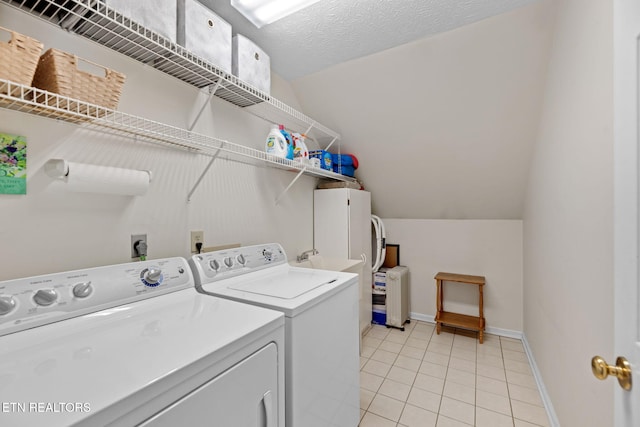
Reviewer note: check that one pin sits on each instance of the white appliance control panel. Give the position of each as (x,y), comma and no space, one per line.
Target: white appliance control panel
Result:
(218,265)
(34,301)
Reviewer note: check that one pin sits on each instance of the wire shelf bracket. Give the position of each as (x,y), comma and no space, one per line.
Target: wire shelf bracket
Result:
(212,91)
(201,177)
(290,185)
(331,143)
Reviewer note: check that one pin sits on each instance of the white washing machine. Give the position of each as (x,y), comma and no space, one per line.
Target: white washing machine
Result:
(135,344)
(321,326)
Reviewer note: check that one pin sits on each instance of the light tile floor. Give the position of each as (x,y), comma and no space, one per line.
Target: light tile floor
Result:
(417,378)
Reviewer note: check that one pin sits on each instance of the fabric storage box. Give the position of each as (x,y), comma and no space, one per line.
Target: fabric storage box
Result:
(250,63)
(20,57)
(204,33)
(158,16)
(58,72)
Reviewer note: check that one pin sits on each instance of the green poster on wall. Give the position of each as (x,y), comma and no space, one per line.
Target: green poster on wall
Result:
(13,164)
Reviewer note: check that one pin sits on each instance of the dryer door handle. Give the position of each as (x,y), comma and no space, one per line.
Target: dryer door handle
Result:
(267,401)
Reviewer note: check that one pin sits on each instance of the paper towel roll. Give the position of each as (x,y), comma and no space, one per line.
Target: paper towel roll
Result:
(84,178)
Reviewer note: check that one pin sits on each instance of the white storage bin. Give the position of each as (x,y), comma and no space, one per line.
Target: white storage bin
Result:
(204,33)
(156,15)
(251,64)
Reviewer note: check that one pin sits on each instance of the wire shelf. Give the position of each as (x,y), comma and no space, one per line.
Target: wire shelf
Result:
(39,102)
(94,20)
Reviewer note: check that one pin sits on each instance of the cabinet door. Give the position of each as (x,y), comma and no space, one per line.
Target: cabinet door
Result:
(331,222)
(246,395)
(359,245)
(360,225)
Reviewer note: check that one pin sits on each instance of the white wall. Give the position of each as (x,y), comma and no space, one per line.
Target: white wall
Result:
(490,248)
(568,221)
(443,127)
(48,231)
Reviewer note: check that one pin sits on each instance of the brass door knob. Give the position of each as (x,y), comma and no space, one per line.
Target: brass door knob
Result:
(622,370)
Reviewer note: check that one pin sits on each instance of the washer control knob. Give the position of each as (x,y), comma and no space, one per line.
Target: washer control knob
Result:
(45,297)
(215,264)
(228,261)
(152,276)
(267,254)
(82,290)
(240,259)
(7,304)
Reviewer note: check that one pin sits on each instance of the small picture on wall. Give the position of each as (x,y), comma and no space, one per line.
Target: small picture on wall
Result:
(13,164)
(392,257)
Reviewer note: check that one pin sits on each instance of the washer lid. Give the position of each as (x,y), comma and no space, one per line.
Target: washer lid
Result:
(288,286)
(291,290)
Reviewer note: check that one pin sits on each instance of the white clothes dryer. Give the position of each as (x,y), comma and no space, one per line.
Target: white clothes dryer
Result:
(321,326)
(135,345)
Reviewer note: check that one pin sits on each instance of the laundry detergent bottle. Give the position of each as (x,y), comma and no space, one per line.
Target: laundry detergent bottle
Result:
(289,139)
(276,144)
(300,151)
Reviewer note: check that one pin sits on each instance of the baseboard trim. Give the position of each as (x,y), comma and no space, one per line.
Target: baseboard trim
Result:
(508,333)
(546,399)
(422,317)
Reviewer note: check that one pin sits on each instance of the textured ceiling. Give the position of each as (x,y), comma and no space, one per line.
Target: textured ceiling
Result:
(334,31)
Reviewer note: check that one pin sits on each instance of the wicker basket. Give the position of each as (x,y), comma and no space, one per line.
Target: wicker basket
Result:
(58,72)
(19,57)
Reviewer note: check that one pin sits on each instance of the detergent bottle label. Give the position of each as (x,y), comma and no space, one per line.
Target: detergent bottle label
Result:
(326,158)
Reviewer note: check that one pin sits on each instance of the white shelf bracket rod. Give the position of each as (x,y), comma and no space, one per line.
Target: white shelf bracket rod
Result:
(212,91)
(309,129)
(290,185)
(335,138)
(204,172)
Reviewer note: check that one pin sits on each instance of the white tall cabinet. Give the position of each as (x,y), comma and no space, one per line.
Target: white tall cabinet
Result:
(342,229)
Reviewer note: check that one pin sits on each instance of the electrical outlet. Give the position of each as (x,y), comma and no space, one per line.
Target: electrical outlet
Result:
(134,239)
(196,237)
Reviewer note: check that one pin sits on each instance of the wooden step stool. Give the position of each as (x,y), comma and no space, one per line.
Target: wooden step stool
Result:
(455,319)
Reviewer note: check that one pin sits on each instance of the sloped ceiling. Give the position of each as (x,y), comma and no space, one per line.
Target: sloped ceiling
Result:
(334,31)
(443,126)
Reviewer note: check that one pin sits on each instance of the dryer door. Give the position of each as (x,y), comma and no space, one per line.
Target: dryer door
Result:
(245,395)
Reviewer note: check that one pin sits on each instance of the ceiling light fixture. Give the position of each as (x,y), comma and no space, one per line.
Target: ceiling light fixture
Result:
(263,12)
